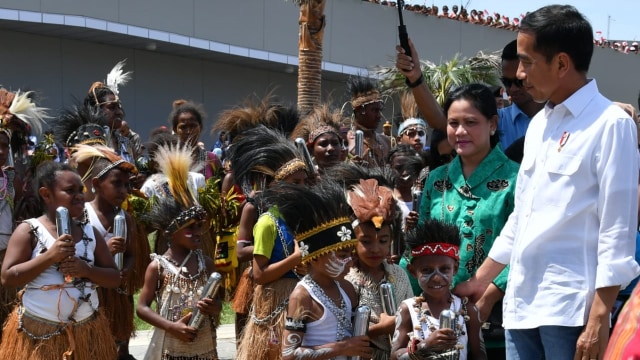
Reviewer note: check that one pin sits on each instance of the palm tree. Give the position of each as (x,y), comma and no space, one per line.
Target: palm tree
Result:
(442,78)
(312,22)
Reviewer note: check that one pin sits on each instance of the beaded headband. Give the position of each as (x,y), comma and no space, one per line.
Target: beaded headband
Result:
(410,122)
(333,235)
(185,217)
(88,134)
(289,168)
(367,98)
(445,249)
(111,166)
(322,130)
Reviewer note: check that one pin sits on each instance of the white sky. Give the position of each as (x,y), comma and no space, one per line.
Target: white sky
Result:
(624,23)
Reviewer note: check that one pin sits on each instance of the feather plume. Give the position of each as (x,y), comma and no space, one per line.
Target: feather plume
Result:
(175,161)
(408,106)
(117,76)
(253,112)
(82,153)
(321,116)
(371,202)
(27,111)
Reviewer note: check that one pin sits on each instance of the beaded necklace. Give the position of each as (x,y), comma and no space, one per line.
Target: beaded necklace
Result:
(340,313)
(424,315)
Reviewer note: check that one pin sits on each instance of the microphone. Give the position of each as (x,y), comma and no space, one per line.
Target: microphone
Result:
(361,324)
(209,291)
(63,227)
(120,230)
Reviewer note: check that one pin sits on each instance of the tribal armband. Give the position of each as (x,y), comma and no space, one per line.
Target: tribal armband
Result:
(292,324)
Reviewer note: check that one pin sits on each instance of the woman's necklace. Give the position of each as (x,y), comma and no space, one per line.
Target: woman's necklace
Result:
(340,313)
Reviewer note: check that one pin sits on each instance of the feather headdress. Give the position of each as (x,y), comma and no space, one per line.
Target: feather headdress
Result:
(101,159)
(253,112)
(26,110)
(80,125)
(362,91)
(371,202)
(320,121)
(99,89)
(319,215)
(410,115)
(172,213)
(174,163)
(261,155)
(117,76)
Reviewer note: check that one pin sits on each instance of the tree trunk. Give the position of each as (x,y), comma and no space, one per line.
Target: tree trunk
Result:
(312,23)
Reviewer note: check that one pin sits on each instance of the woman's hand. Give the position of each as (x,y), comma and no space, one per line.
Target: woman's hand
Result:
(209,306)
(62,248)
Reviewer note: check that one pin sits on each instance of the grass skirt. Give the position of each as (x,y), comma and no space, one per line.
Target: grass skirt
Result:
(118,309)
(243,295)
(91,339)
(264,341)
(8,298)
(142,259)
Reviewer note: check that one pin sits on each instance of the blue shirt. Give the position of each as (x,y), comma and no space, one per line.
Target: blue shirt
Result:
(512,125)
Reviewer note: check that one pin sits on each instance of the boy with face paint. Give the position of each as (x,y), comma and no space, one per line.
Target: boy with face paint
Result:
(318,320)
(434,248)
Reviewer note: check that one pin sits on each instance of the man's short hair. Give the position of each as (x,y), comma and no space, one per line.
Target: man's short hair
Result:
(561,28)
(510,51)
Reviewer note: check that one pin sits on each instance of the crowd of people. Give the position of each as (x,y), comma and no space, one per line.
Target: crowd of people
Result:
(495,19)
(510,238)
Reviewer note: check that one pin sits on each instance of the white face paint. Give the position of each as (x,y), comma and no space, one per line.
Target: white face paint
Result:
(427,277)
(335,266)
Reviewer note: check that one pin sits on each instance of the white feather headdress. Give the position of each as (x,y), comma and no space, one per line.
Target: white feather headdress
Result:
(27,111)
(117,77)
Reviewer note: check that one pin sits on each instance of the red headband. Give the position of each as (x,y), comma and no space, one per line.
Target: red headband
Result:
(449,250)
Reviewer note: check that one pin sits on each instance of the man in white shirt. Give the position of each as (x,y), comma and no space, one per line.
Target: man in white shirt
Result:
(570,240)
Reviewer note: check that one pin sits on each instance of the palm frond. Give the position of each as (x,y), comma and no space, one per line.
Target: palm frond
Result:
(441,78)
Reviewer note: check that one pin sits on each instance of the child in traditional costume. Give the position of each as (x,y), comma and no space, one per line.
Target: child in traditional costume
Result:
(434,247)
(175,279)
(275,159)
(58,313)
(318,323)
(375,212)
(109,175)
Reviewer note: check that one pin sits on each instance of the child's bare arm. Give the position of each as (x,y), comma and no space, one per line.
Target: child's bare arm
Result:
(179,329)
(401,334)
(476,344)
(301,310)
(18,268)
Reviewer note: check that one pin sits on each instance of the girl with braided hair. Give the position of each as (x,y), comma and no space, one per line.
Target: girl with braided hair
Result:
(262,157)
(109,176)
(57,315)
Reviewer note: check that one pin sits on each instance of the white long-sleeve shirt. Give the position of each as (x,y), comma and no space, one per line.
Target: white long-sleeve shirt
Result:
(573,227)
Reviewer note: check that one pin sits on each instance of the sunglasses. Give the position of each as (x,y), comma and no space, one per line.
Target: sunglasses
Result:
(508,82)
(413,132)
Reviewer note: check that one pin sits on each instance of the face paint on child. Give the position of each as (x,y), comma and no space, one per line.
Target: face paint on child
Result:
(334,265)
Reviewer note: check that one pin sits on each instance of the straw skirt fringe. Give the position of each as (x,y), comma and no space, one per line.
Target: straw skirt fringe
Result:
(243,296)
(92,340)
(264,341)
(118,309)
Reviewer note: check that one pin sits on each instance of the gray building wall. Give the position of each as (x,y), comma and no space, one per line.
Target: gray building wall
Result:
(358,35)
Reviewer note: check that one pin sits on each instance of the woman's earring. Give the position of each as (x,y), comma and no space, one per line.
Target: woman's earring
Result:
(493,132)
(93,190)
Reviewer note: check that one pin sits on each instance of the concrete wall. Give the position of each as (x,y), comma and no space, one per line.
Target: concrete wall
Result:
(358,34)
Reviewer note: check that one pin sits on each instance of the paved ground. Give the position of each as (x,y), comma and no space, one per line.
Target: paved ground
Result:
(226,343)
